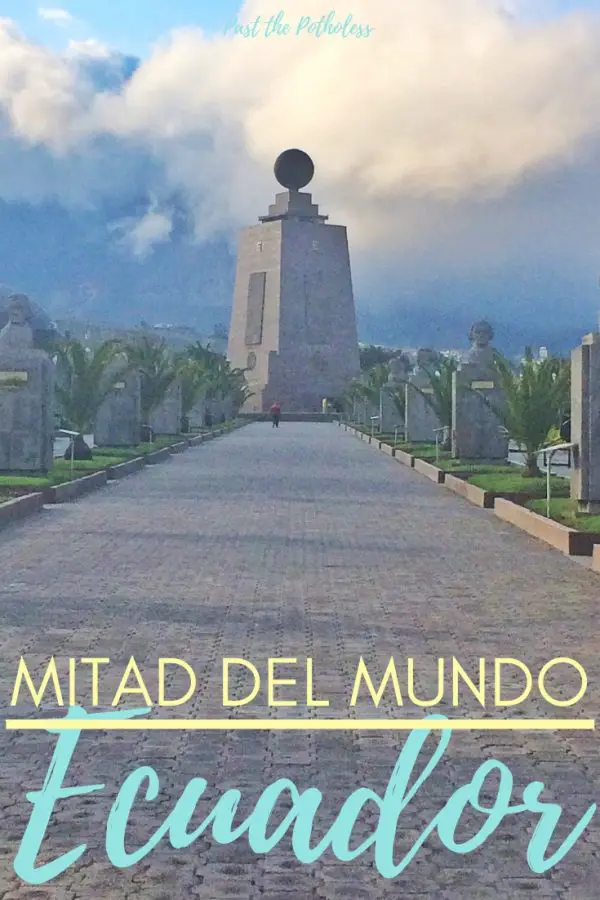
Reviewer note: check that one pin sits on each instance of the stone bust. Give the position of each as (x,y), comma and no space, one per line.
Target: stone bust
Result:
(426,358)
(399,366)
(17,332)
(481,335)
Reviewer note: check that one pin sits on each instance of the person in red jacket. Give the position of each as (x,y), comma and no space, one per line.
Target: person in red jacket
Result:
(275,413)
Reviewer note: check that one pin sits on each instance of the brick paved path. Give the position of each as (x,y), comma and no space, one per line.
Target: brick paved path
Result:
(295,543)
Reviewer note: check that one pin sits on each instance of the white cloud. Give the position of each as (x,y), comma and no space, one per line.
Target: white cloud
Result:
(142,235)
(444,105)
(90,49)
(56,15)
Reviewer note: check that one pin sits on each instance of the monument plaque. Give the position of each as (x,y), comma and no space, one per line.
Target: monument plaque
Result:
(293,322)
(14,379)
(256,308)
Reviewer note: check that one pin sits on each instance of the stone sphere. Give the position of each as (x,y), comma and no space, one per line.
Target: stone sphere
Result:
(42,325)
(294,169)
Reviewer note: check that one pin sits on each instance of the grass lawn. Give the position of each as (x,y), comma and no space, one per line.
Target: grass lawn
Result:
(60,473)
(565,512)
(474,467)
(23,481)
(61,469)
(423,451)
(515,483)
(160,441)
(88,465)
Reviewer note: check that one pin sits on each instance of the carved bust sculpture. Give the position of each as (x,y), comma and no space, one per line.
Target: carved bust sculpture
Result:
(426,358)
(481,335)
(19,309)
(17,332)
(398,366)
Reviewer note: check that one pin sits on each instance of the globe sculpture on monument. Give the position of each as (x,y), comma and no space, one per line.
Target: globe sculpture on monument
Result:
(293,325)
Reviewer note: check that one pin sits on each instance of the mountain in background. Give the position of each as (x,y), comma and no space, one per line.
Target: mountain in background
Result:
(72,264)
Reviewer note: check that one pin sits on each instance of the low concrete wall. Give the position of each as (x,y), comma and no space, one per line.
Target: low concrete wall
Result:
(596,559)
(126,468)
(71,490)
(470,492)
(157,456)
(179,447)
(429,470)
(387,448)
(405,458)
(567,540)
(20,508)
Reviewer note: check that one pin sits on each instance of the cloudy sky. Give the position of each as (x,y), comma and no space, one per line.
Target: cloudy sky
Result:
(459,141)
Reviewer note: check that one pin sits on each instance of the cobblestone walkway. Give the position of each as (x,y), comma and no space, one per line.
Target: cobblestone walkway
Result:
(301,542)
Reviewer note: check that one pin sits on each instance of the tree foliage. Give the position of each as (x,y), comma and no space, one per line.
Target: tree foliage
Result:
(86,378)
(537,396)
(158,370)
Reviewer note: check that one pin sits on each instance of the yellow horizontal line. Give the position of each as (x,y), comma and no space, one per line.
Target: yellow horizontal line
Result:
(300,724)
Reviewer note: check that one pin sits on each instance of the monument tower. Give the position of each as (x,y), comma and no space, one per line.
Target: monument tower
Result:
(293,325)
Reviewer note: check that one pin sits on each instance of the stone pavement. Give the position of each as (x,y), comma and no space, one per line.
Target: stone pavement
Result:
(292,543)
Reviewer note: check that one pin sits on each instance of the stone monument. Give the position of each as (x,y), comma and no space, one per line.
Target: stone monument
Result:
(197,415)
(166,418)
(26,395)
(293,324)
(392,414)
(476,430)
(119,419)
(585,424)
(421,419)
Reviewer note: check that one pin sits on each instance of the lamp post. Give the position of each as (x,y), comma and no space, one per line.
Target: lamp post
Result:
(551,451)
(62,432)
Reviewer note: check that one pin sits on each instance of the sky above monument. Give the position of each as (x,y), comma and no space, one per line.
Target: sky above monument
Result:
(458,141)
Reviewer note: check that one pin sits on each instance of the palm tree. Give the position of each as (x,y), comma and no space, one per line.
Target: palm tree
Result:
(209,374)
(353,395)
(157,368)
(536,397)
(86,378)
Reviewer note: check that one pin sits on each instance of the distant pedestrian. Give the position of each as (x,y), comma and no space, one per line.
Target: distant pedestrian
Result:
(275,413)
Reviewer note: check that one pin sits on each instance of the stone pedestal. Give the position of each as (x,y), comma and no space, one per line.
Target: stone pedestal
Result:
(26,396)
(476,430)
(421,420)
(585,424)
(119,419)
(391,416)
(293,325)
(166,418)
(197,414)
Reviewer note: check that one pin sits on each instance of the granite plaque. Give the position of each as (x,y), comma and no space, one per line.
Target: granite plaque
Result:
(256,307)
